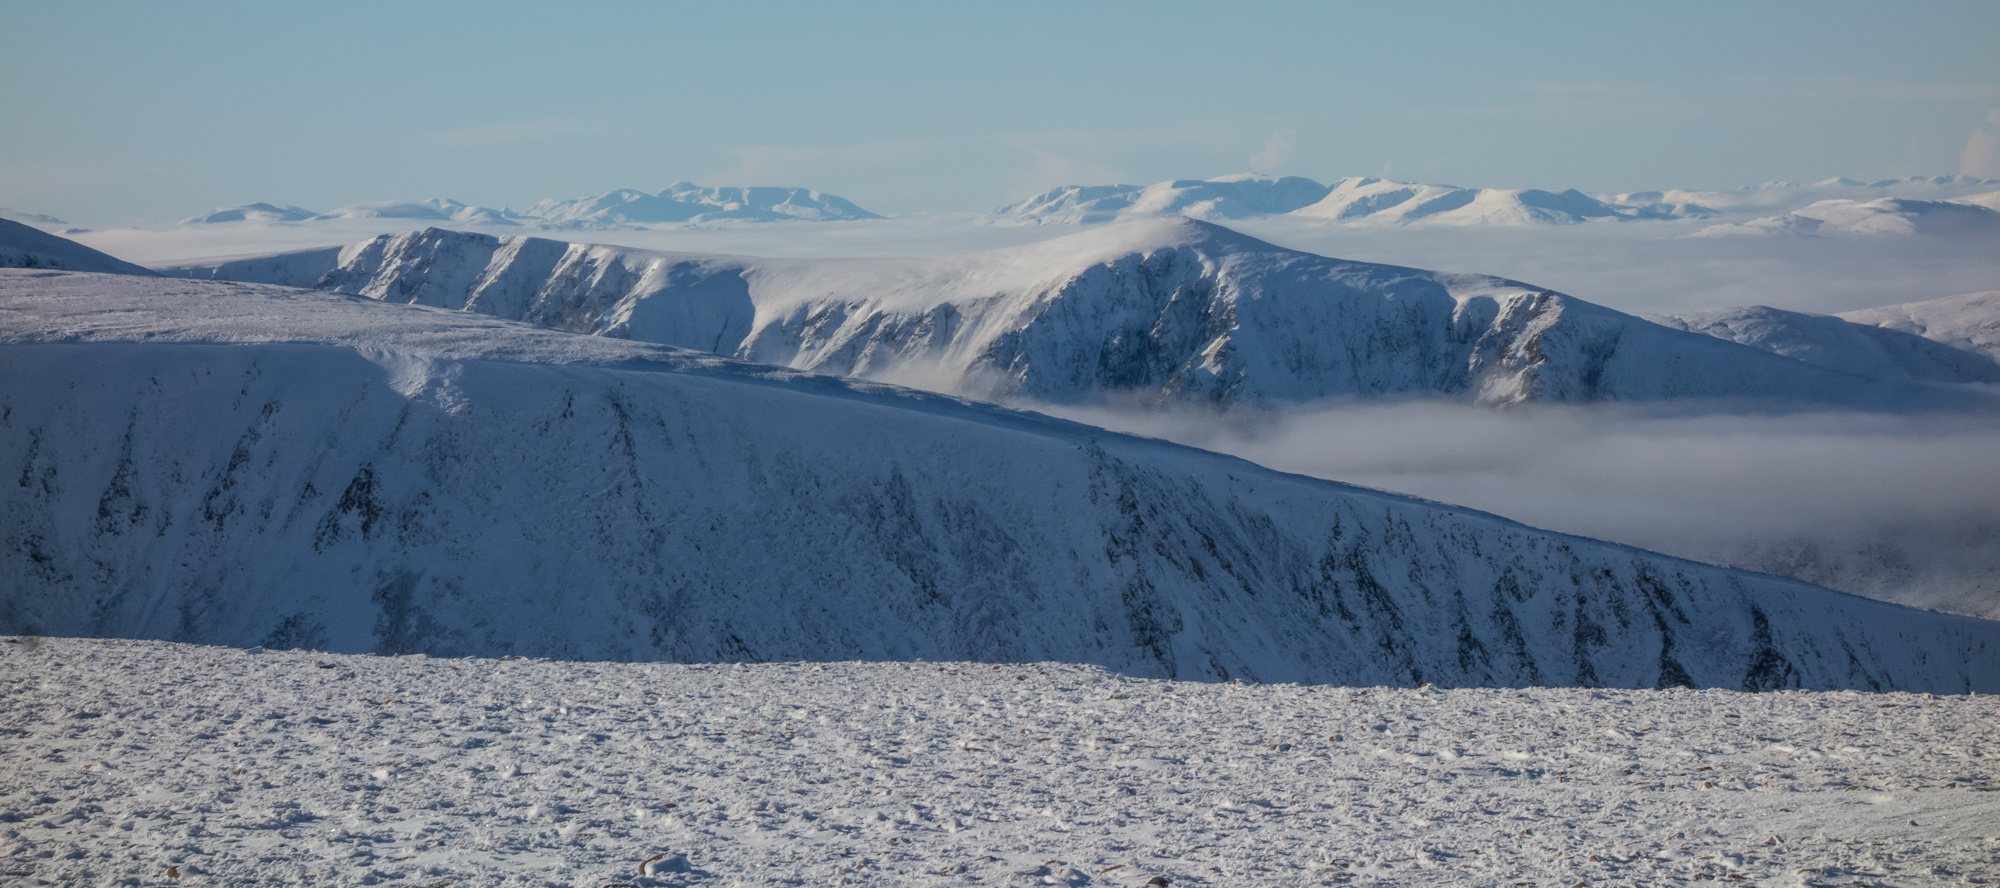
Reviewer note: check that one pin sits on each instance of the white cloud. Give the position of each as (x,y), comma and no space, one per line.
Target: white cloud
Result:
(1277,154)
(1981,157)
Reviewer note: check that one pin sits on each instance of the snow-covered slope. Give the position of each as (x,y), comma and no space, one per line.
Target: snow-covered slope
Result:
(1989,200)
(23,246)
(1887,215)
(1165,308)
(296,268)
(1353,200)
(1969,322)
(688,202)
(246,464)
(1861,348)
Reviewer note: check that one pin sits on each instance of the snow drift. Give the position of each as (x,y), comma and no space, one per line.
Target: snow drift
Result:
(247,464)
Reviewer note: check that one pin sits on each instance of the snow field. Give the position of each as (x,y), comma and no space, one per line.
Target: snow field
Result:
(143,763)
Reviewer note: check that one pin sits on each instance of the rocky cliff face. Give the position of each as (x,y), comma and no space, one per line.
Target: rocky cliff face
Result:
(1160,309)
(256,465)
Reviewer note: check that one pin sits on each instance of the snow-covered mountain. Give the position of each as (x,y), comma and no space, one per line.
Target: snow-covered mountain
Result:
(1882,216)
(259,213)
(1781,196)
(688,202)
(1353,200)
(244,464)
(35,220)
(1168,309)
(1969,322)
(24,246)
(678,203)
(1850,345)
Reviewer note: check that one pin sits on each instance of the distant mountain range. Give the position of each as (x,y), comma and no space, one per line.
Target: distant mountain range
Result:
(682,202)
(1372,201)
(1962,217)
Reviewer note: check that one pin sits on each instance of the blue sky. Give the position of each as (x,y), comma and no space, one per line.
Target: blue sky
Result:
(122,112)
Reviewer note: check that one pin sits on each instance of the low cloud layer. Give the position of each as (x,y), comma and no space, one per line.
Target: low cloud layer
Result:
(1900,507)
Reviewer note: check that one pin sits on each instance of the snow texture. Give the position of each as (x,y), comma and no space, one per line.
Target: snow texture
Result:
(146,763)
(1858,347)
(1970,322)
(1167,310)
(688,202)
(23,246)
(244,464)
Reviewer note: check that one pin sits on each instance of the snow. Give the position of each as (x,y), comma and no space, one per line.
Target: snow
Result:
(23,246)
(1882,216)
(37,220)
(261,213)
(1969,322)
(120,760)
(1166,309)
(1860,347)
(245,464)
(685,202)
(1354,200)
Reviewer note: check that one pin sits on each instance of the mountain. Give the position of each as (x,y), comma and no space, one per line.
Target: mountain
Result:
(1167,309)
(1989,200)
(295,268)
(687,202)
(258,213)
(22,246)
(246,464)
(1226,197)
(1882,216)
(1353,200)
(1779,197)
(1969,323)
(435,209)
(1850,346)
(36,220)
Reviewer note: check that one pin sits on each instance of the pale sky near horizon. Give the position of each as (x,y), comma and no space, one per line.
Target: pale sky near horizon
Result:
(148,112)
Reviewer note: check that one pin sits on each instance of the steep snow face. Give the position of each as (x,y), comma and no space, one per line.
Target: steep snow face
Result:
(687,202)
(1888,215)
(1860,348)
(239,464)
(1168,309)
(1969,323)
(22,246)
(259,213)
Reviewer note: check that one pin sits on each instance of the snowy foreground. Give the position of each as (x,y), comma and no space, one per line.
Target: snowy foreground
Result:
(123,759)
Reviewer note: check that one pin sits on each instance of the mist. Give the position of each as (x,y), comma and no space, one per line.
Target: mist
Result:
(1903,507)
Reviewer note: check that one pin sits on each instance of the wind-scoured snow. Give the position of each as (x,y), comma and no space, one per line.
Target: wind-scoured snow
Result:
(1882,216)
(148,763)
(24,246)
(244,464)
(1167,309)
(1854,346)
